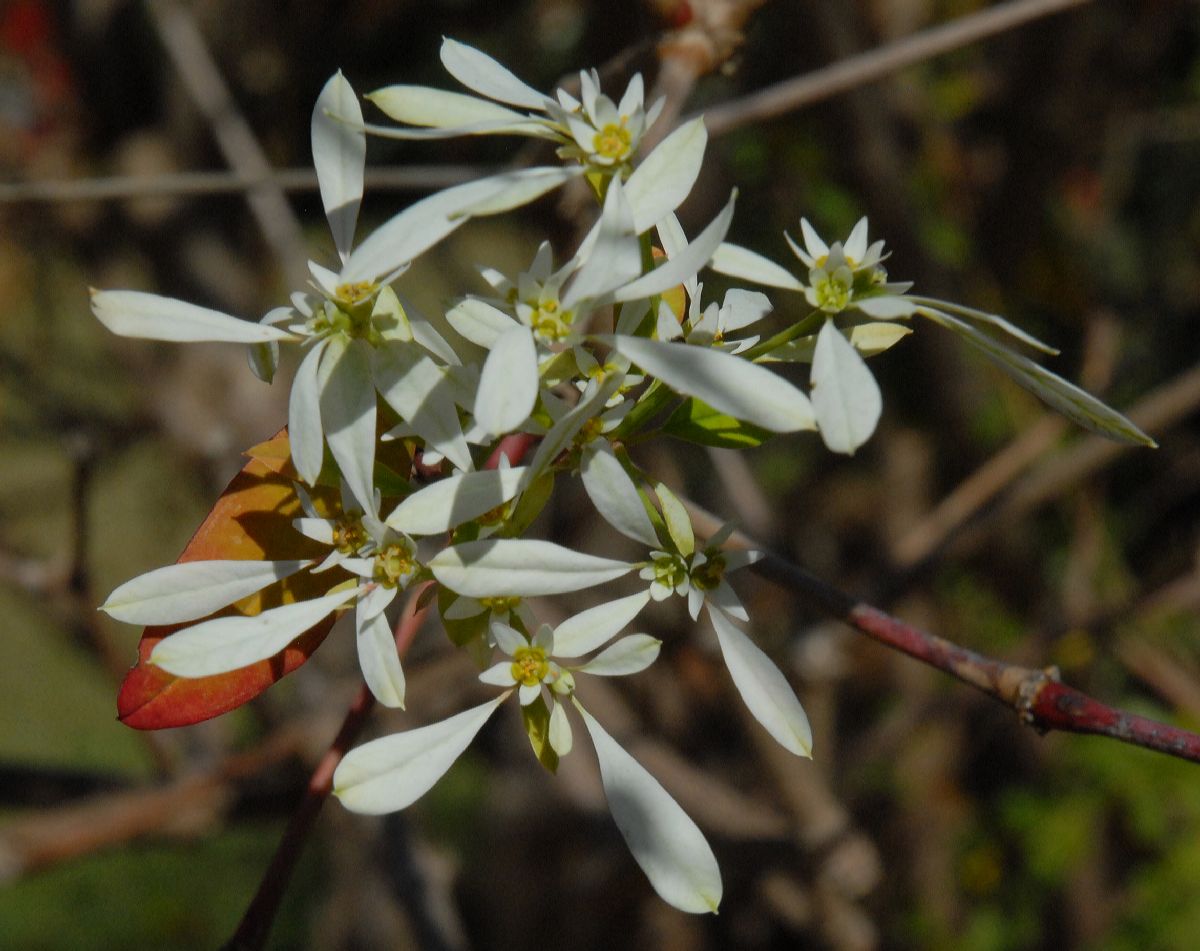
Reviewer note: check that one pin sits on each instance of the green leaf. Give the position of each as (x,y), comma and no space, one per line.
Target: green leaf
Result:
(536,717)
(697,422)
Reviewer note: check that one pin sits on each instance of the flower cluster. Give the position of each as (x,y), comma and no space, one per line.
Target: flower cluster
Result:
(582,359)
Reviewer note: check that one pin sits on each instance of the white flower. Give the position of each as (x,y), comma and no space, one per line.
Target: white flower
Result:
(848,276)
(392,772)
(602,136)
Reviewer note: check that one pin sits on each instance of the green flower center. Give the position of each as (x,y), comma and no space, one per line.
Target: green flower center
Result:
(349,536)
(669,571)
(614,142)
(833,291)
(529,666)
(708,575)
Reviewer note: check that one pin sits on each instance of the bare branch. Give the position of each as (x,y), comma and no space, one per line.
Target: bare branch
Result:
(874,64)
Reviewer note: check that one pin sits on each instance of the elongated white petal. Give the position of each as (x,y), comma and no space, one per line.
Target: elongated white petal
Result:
(508,384)
(667,845)
(304,416)
(395,771)
(227,643)
(449,502)
(888,307)
(499,675)
(438,108)
(686,263)
(520,567)
(1067,398)
(679,523)
(379,660)
(514,189)
(845,396)
(877,336)
(971,315)
(339,148)
(660,184)
(479,321)
(736,261)
(725,382)
(482,74)
(615,496)
(151,317)
(587,630)
(559,733)
(629,655)
(348,417)
(416,388)
(424,223)
(192,589)
(764,689)
(613,257)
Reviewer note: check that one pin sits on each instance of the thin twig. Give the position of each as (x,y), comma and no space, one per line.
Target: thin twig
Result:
(1037,696)
(205,85)
(255,926)
(182,184)
(881,61)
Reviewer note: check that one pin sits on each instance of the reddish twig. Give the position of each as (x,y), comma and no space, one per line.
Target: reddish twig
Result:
(255,926)
(1037,696)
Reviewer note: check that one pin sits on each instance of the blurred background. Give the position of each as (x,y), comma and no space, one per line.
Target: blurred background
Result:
(1050,173)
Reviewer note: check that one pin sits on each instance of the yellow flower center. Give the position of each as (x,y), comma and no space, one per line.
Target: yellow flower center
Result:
(352,294)
(529,666)
(708,575)
(613,142)
(550,322)
(393,565)
(500,604)
(349,536)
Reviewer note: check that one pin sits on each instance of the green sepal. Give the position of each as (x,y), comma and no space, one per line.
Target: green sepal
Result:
(696,422)
(536,717)
(466,630)
(529,506)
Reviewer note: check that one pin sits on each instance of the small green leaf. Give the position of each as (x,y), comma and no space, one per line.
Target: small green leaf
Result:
(696,422)
(536,717)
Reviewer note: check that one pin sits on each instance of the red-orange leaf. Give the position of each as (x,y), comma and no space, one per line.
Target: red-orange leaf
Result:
(251,520)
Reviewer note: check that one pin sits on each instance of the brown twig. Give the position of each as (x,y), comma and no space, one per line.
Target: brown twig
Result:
(255,926)
(855,71)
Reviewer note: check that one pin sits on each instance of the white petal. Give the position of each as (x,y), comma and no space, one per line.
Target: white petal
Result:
(416,388)
(629,655)
(562,432)
(192,589)
(379,660)
(339,148)
(812,241)
(479,321)
(614,256)
(559,733)
(660,184)
(348,417)
(741,308)
(765,690)
(679,523)
(459,498)
(482,74)
(615,496)
(736,261)
(1068,399)
(508,639)
(304,416)
(887,307)
(425,106)
(856,244)
(667,845)
(520,567)
(151,317)
(227,643)
(685,264)
(877,336)
(514,189)
(318,529)
(395,771)
(508,385)
(375,601)
(845,396)
(727,383)
(499,675)
(990,320)
(424,223)
(587,630)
